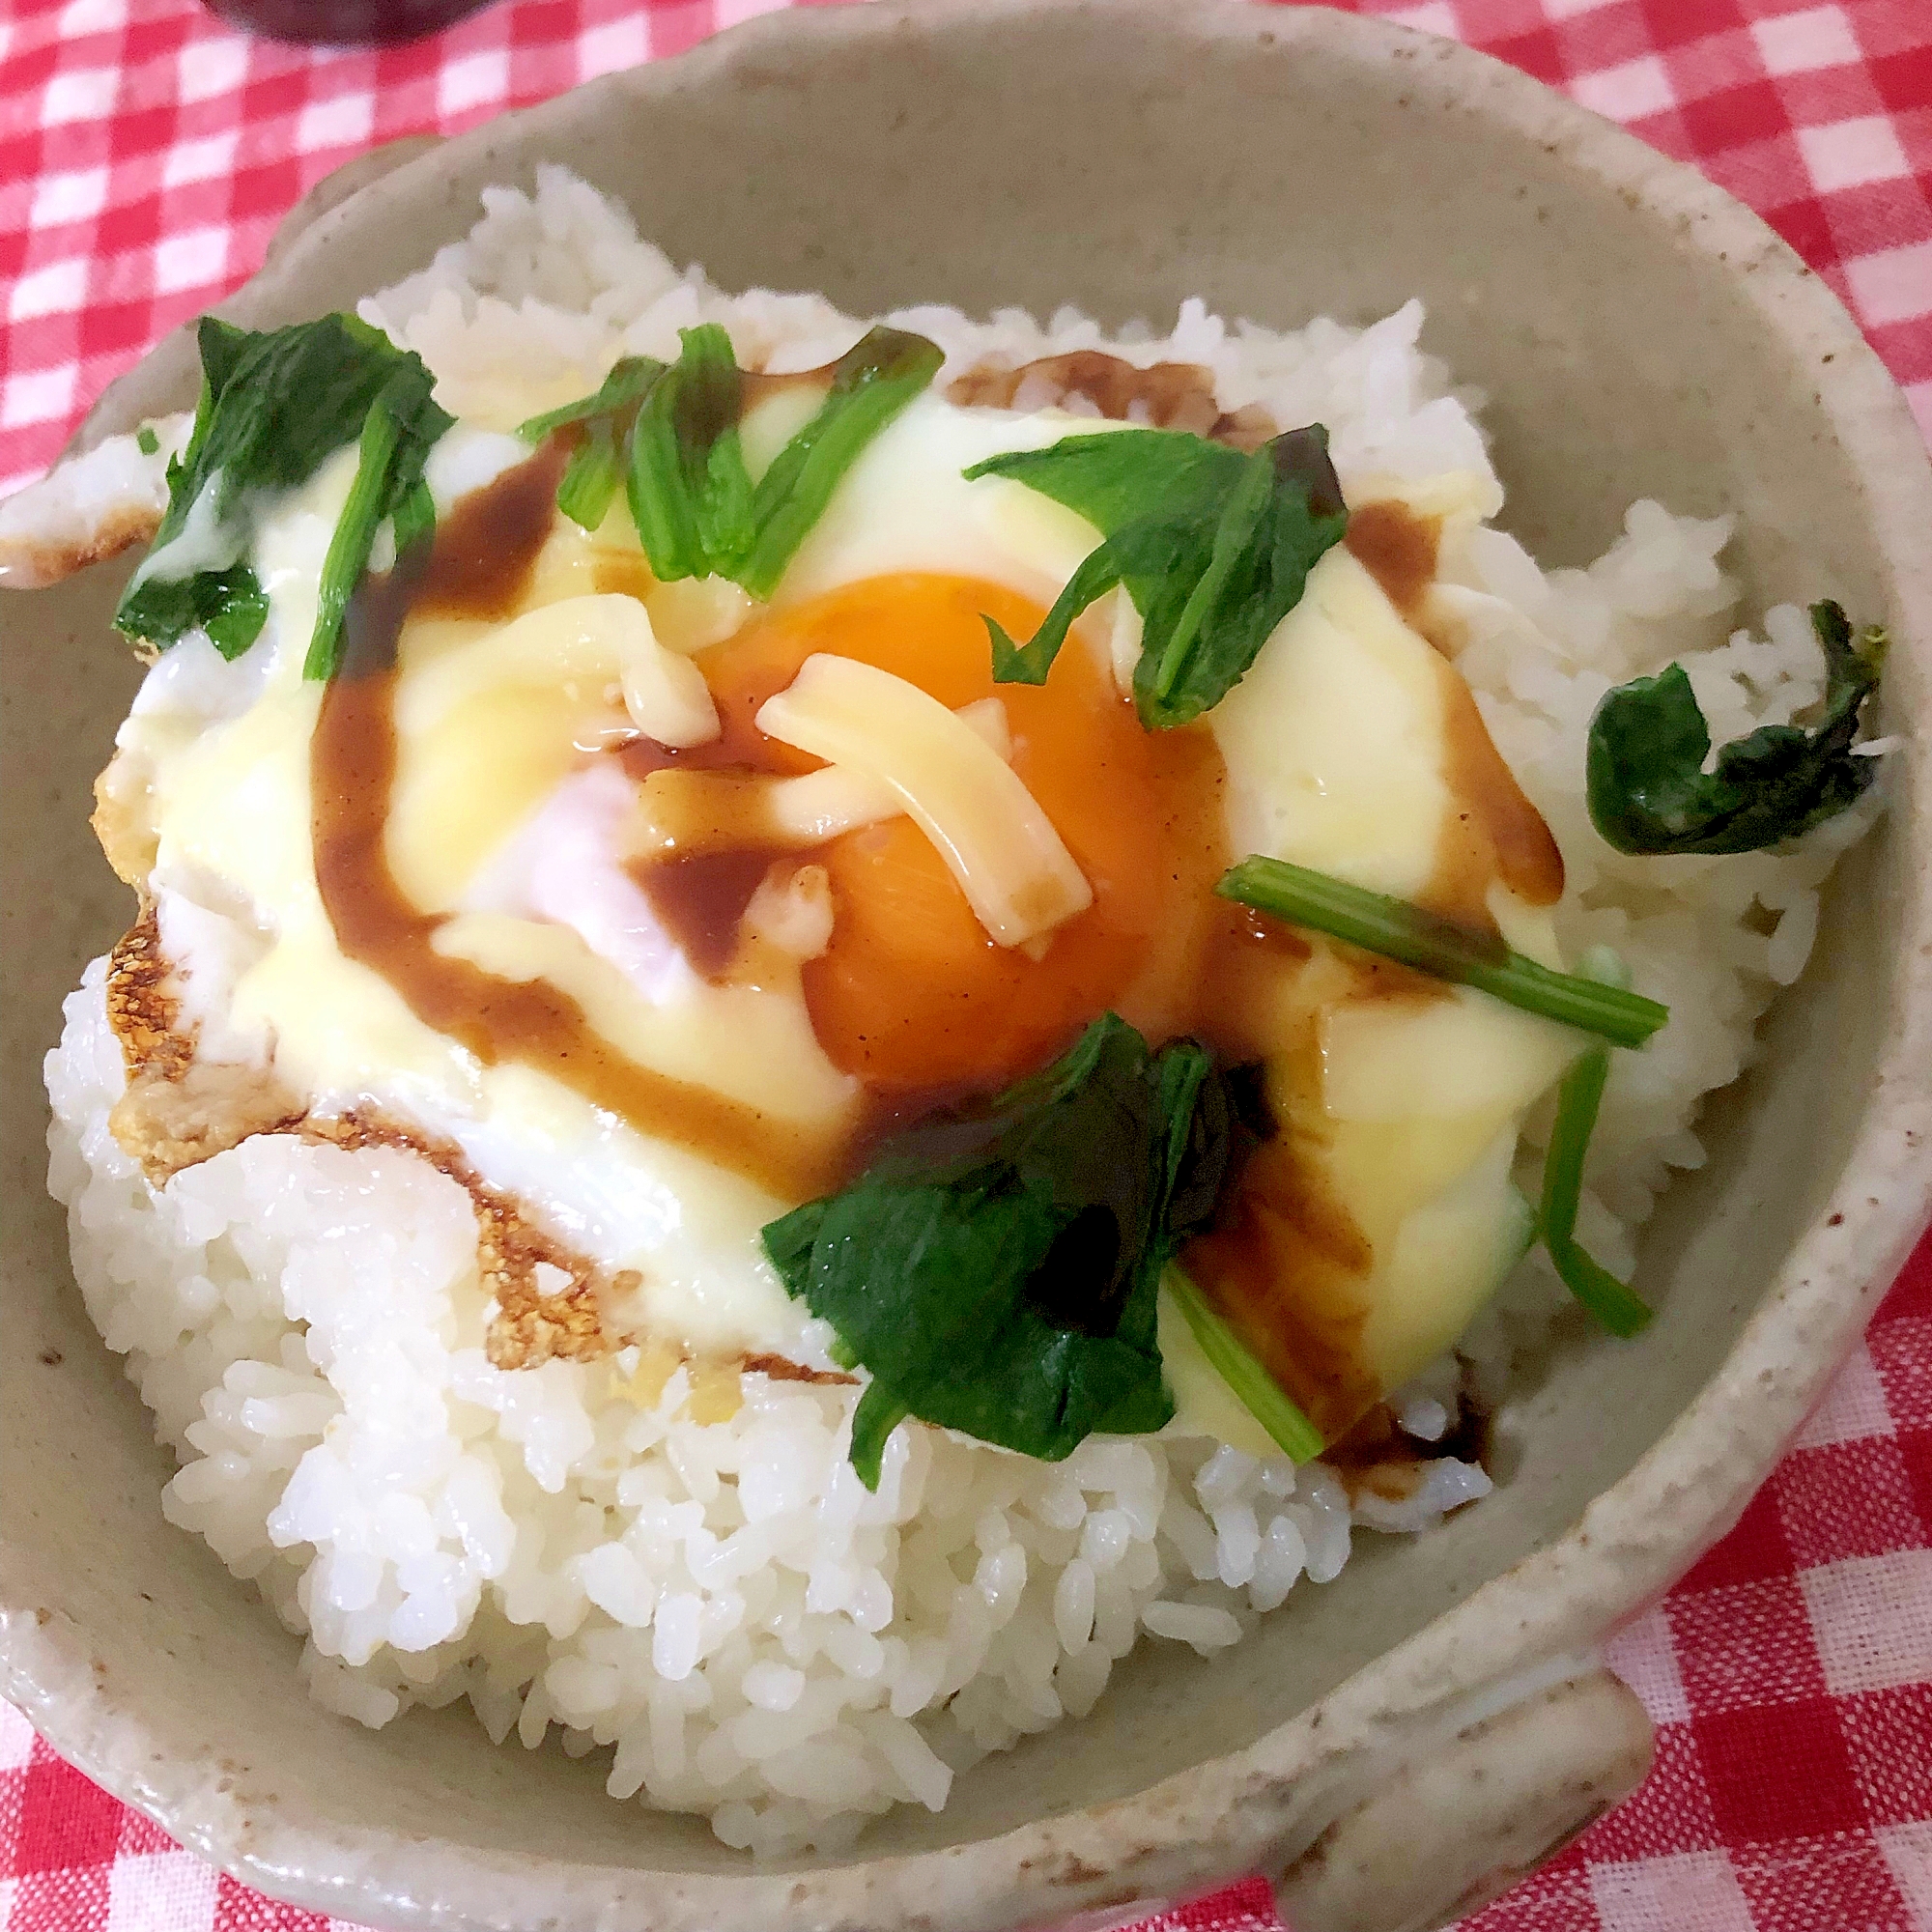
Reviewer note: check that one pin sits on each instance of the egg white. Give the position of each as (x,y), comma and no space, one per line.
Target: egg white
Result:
(1334,758)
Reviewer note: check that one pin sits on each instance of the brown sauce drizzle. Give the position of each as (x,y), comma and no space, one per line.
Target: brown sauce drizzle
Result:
(1397,549)
(702,898)
(622,572)
(1172,395)
(496,532)
(718,848)
(479,566)
(722,808)
(761,383)
(1378,1458)
(1495,832)
(1496,835)
(1286,1261)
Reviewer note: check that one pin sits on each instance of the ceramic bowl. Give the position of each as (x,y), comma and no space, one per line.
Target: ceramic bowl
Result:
(1399,1744)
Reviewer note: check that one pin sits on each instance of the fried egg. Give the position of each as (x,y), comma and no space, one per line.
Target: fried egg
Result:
(640,907)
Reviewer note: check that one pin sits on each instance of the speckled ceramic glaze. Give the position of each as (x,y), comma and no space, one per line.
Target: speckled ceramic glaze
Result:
(1408,1738)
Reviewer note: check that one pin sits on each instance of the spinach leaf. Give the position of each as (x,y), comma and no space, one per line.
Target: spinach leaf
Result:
(691,495)
(631,380)
(229,604)
(871,382)
(397,432)
(595,470)
(996,1268)
(1648,789)
(1248,1380)
(593,477)
(1613,1302)
(1214,548)
(273,406)
(690,492)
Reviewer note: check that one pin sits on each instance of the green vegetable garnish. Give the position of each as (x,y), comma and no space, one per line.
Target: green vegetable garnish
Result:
(1612,1301)
(591,479)
(1608,1299)
(1399,930)
(396,437)
(230,605)
(996,1269)
(631,380)
(1257,1391)
(871,382)
(690,492)
(146,440)
(671,437)
(596,470)
(1214,548)
(1649,791)
(273,406)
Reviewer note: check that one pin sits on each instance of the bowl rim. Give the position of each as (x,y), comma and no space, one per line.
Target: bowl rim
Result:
(1263,1804)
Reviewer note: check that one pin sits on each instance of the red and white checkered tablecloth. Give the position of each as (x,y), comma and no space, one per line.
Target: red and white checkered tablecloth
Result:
(146,155)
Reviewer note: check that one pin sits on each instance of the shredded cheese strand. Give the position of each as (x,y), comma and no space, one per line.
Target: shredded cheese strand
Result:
(1016,874)
(604,637)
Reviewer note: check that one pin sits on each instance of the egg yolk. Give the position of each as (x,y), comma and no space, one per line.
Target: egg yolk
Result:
(912,995)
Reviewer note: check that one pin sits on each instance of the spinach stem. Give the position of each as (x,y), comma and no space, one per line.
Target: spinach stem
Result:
(871,382)
(592,478)
(1398,930)
(1257,1391)
(1612,1301)
(355,536)
(631,378)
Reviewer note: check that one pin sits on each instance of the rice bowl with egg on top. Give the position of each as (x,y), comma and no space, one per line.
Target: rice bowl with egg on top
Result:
(476,1468)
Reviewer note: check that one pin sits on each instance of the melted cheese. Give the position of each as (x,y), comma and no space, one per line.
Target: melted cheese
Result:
(495,719)
(1335,757)
(231,804)
(691,612)
(693,811)
(1017,876)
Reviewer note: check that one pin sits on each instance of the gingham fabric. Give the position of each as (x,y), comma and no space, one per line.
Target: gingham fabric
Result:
(146,155)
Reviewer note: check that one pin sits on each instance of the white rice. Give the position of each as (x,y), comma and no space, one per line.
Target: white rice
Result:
(759,1640)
